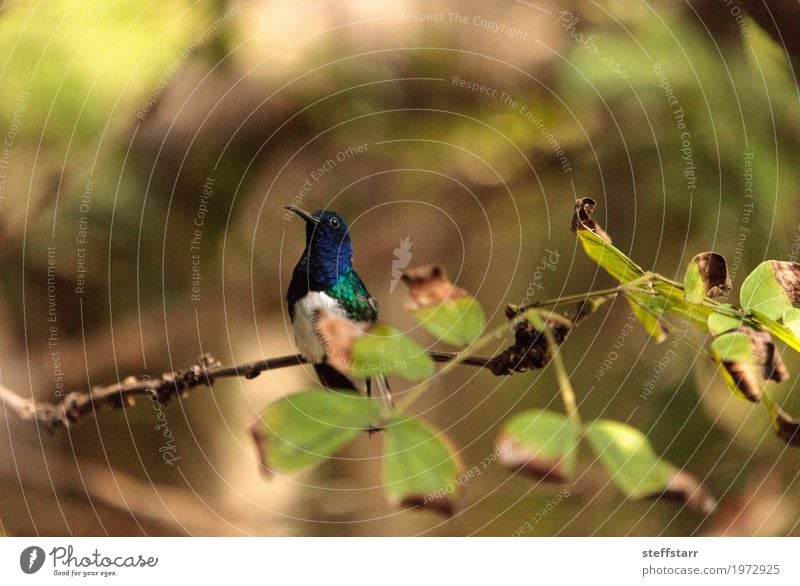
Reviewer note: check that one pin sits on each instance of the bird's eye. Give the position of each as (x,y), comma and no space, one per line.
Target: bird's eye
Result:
(334,223)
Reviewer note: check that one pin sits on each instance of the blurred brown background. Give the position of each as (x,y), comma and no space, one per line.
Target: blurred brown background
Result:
(467,128)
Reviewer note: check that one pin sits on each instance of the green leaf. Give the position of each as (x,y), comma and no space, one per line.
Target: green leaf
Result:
(609,257)
(456,321)
(629,459)
(541,443)
(733,347)
(720,322)
(788,331)
(597,244)
(733,353)
(385,350)
(419,467)
(670,298)
(645,311)
(305,428)
(693,288)
(791,319)
(771,288)
(786,427)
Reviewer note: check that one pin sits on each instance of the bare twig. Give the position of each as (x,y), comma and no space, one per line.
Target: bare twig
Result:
(489,362)
(78,404)
(204,372)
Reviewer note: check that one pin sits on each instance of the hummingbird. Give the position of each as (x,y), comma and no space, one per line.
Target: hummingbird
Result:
(324,279)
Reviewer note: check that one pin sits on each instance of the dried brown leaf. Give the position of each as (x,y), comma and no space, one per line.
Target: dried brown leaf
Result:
(530,350)
(786,427)
(767,364)
(714,273)
(745,380)
(684,488)
(581,219)
(788,276)
(338,335)
(429,285)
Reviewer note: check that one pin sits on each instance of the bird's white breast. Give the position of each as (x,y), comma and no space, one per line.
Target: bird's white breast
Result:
(308,342)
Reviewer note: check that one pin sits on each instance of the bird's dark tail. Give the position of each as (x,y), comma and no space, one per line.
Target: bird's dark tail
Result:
(332,378)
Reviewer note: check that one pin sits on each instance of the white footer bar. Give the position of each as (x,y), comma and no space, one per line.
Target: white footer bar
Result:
(401,561)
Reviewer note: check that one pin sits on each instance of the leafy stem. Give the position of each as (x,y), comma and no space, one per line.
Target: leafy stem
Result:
(564,385)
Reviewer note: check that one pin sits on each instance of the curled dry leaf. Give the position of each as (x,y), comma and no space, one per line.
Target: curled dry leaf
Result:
(597,244)
(748,357)
(582,220)
(338,335)
(713,272)
(766,356)
(429,285)
(445,311)
(786,427)
(684,488)
(529,350)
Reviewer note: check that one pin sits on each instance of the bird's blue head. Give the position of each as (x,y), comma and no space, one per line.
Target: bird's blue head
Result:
(328,246)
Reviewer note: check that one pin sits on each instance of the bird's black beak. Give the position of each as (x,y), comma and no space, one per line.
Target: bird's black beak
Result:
(303,214)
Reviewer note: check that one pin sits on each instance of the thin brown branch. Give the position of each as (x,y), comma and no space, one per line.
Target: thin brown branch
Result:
(488,362)
(204,372)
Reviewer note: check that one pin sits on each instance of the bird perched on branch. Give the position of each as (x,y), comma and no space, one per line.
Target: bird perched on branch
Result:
(324,280)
